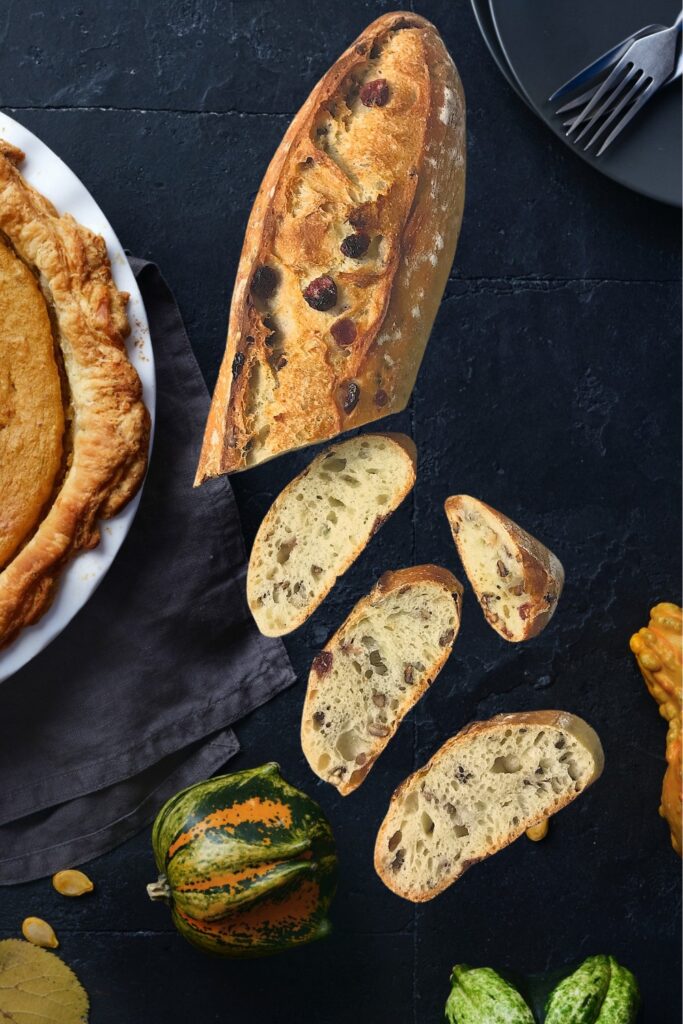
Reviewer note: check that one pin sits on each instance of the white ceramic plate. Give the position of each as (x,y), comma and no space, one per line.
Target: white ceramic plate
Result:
(43,169)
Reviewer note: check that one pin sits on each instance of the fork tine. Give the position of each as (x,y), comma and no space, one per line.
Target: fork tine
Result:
(639,82)
(640,102)
(610,98)
(601,91)
(568,124)
(578,102)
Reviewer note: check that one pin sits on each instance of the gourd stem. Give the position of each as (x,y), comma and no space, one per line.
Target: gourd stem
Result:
(159,890)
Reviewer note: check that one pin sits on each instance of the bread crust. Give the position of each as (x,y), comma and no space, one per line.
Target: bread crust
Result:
(402,181)
(407,446)
(110,425)
(390,582)
(542,570)
(394,579)
(563,720)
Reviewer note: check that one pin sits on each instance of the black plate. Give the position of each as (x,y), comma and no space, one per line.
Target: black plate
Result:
(546,43)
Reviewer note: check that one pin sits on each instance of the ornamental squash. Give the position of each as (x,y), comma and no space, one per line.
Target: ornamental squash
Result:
(247,864)
(659,650)
(480,996)
(600,991)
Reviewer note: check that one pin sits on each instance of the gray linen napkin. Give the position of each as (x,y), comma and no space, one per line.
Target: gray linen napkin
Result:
(133,701)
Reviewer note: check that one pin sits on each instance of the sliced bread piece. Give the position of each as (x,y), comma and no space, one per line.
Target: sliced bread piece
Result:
(517,580)
(375,668)
(479,792)
(321,522)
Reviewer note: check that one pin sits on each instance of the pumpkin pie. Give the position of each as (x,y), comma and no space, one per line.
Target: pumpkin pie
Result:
(74,432)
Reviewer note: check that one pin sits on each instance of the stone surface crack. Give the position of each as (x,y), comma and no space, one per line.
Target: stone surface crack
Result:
(94,108)
(459,286)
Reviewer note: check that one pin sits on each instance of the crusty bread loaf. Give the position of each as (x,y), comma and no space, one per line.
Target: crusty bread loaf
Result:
(321,522)
(347,251)
(479,792)
(517,580)
(375,668)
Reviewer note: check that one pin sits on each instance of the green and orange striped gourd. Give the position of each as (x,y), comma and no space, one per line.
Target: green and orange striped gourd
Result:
(247,863)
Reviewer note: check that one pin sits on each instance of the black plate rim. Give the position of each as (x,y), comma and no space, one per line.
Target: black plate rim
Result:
(482,16)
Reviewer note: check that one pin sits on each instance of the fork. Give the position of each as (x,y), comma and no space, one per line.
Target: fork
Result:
(650,62)
(593,72)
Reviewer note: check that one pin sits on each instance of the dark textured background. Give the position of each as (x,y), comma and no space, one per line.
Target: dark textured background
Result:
(550,388)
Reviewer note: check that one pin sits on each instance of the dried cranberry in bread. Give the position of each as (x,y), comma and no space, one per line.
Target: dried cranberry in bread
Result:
(482,790)
(375,669)
(517,580)
(347,251)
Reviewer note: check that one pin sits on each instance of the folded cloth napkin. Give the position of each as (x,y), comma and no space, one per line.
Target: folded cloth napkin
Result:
(134,700)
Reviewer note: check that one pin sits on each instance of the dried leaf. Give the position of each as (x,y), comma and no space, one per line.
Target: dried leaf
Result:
(36,987)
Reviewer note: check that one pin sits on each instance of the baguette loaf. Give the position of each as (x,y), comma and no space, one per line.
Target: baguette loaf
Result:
(517,580)
(479,792)
(321,522)
(347,251)
(375,668)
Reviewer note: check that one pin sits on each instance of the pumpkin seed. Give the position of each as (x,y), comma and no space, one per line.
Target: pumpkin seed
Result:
(538,832)
(39,932)
(72,883)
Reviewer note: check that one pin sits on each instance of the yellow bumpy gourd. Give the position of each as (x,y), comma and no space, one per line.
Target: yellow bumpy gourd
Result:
(659,650)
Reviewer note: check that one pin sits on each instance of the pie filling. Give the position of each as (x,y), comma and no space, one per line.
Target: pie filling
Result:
(33,403)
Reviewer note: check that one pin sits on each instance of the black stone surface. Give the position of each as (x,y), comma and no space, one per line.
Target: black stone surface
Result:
(550,388)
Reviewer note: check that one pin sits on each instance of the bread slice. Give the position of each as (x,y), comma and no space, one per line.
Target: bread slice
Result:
(321,522)
(347,251)
(517,580)
(479,792)
(375,668)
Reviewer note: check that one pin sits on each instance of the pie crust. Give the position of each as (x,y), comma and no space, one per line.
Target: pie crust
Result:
(76,429)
